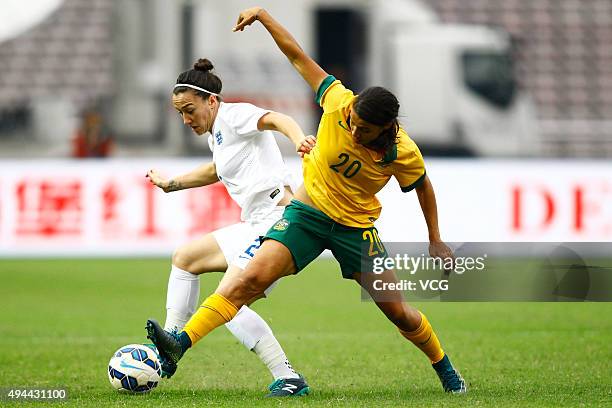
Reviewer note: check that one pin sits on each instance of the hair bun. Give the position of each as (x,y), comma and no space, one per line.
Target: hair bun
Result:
(203,64)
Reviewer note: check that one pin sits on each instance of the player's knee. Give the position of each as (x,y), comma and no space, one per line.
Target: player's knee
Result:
(403,317)
(396,315)
(240,291)
(182,259)
(413,318)
(252,285)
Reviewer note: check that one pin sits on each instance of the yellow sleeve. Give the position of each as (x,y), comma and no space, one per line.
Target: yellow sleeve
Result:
(331,94)
(409,167)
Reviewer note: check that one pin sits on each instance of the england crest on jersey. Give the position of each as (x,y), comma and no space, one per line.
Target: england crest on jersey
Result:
(218,137)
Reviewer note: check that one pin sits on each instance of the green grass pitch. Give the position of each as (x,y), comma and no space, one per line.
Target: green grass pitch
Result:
(62,319)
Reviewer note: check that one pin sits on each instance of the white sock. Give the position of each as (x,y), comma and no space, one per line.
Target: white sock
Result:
(255,334)
(182,298)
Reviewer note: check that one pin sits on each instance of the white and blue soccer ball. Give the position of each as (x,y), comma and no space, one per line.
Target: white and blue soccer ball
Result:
(134,368)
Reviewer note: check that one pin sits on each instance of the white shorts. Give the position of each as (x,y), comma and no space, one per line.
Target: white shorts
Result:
(239,242)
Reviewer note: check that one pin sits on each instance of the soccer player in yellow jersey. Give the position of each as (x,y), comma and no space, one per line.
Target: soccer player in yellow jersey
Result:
(360,146)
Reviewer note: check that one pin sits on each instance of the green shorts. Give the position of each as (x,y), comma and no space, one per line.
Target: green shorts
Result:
(307,232)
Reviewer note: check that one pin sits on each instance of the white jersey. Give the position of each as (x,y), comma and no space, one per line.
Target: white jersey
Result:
(248,161)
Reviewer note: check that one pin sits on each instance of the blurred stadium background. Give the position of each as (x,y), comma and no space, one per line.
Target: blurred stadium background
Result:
(120,58)
(511,102)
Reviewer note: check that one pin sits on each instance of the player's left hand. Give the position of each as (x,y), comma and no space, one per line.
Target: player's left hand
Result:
(246,18)
(305,145)
(439,249)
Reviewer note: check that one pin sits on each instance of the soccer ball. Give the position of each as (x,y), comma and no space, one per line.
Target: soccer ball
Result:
(134,368)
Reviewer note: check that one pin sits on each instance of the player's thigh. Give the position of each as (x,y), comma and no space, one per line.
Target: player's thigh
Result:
(243,256)
(272,262)
(200,256)
(289,245)
(213,251)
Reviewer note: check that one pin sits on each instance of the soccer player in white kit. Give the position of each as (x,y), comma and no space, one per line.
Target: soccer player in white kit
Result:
(247,160)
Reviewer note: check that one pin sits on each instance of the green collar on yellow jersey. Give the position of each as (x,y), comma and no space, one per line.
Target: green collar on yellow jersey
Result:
(390,155)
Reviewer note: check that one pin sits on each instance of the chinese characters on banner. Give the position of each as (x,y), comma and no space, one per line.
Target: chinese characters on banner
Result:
(108,208)
(48,208)
(104,208)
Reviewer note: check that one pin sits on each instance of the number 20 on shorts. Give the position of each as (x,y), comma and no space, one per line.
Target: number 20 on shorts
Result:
(376,246)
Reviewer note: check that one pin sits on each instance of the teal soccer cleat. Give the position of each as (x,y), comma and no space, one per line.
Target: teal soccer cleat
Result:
(169,347)
(167,369)
(450,377)
(289,387)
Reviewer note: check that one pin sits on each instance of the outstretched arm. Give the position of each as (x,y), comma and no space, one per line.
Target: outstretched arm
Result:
(312,73)
(202,176)
(288,127)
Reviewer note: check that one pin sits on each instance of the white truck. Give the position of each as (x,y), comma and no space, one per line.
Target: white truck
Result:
(455,83)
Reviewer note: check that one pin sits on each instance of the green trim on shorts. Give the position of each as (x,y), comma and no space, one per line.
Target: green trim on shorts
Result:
(307,232)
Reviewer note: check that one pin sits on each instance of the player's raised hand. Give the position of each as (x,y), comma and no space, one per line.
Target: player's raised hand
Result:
(156,179)
(305,145)
(246,17)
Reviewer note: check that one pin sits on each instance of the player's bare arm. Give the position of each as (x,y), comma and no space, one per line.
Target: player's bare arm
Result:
(427,200)
(201,176)
(288,127)
(312,73)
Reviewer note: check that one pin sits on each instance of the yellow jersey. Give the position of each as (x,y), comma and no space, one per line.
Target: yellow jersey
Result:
(341,176)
